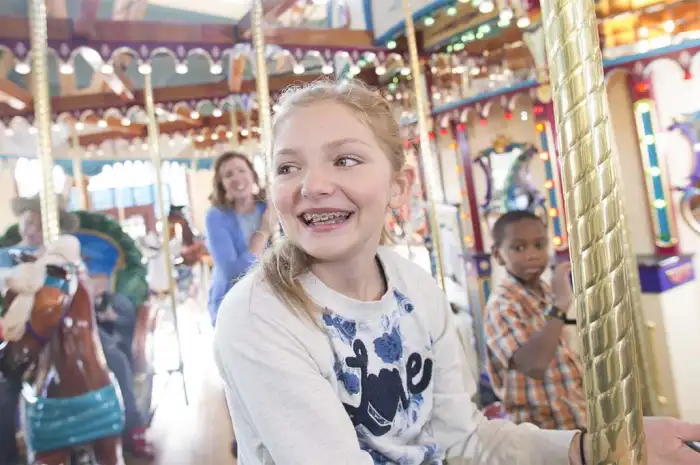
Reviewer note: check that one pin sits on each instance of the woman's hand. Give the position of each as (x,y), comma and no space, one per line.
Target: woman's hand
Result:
(665,441)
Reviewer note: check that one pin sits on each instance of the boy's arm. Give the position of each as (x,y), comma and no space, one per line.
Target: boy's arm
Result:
(510,341)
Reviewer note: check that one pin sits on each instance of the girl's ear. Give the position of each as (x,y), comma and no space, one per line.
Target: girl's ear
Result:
(401,187)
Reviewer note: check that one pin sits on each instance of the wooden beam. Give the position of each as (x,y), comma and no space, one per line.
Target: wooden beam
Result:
(194,92)
(13,95)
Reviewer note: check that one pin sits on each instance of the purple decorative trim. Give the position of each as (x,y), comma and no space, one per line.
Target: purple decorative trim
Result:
(690,129)
(37,337)
(480,264)
(660,274)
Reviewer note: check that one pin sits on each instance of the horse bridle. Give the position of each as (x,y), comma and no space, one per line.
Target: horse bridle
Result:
(68,287)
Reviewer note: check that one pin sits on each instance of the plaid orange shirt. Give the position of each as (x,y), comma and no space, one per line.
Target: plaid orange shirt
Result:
(513,315)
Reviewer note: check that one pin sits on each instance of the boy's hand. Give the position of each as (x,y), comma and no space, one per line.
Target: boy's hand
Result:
(561,287)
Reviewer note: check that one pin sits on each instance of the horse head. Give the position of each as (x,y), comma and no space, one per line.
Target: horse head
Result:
(38,299)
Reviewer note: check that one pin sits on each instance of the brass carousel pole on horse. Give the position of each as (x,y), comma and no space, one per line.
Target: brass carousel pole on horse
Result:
(42,116)
(426,152)
(263,89)
(597,236)
(156,160)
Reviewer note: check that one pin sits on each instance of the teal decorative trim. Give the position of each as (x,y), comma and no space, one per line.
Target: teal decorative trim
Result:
(53,424)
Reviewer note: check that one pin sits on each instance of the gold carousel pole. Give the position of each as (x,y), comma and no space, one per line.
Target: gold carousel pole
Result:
(154,147)
(426,152)
(597,236)
(263,87)
(42,116)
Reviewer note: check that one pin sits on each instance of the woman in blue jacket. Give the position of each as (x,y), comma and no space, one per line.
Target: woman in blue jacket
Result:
(238,225)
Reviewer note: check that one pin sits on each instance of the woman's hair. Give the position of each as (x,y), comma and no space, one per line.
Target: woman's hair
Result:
(284,262)
(218,194)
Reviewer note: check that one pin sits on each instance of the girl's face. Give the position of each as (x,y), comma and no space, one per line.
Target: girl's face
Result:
(332,183)
(237,178)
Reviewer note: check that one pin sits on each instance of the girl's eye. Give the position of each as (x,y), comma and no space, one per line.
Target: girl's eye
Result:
(347,161)
(286,169)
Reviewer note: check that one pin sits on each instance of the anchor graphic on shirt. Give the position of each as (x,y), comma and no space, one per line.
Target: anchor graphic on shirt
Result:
(383,393)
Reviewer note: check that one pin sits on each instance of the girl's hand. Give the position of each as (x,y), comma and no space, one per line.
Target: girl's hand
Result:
(665,441)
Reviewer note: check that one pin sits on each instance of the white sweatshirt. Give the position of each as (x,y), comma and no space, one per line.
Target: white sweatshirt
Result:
(380,384)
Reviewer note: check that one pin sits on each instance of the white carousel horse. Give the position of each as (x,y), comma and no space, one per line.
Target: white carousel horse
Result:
(152,248)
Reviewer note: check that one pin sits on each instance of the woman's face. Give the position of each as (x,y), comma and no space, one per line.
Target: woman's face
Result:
(332,182)
(30,229)
(237,178)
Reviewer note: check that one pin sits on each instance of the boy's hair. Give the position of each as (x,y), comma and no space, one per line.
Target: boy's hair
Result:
(284,262)
(499,228)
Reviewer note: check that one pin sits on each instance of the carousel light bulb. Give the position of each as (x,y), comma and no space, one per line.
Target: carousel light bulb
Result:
(79,126)
(23,68)
(523,115)
(200,138)
(172,117)
(181,68)
(33,130)
(380,70)
(553,212)
(299,68)
(215,136)
(405,71)
(506,14)
(102,124)
(194,114)
(429,21)
(669,26)
(544,156)
(391,45)
(643,32)
(556,240)
(9,132)
(126,122)
(523,22)
(654,171)
(486,7)
(548,184)
(216,113)
(144,146)
(355,70)
(327,69)
(244,132)
(229,134)
(66,68)
(451,11)
(649,139)
(107,69)
(659,204)
(216,68)
(55,127)
(145,68)
(276,107)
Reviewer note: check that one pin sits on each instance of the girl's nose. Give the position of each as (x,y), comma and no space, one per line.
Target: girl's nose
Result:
(316,183)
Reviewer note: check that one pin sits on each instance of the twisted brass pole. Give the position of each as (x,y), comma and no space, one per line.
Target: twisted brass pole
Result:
(426,152)
(42,116)
(597,235)
(262,86)
(156,160)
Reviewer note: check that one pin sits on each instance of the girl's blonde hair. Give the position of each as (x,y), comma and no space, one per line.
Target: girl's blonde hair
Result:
(284,262)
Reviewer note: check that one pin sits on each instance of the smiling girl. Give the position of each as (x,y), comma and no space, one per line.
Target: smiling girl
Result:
(336,350)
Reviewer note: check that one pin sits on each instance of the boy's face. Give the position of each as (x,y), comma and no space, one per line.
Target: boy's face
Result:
(524,250)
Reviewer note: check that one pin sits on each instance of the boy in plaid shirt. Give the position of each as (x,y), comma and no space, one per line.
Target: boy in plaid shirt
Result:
(531,365)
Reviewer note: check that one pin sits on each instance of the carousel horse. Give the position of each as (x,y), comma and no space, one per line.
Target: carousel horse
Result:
(193,247)
(106,249)
(49,325)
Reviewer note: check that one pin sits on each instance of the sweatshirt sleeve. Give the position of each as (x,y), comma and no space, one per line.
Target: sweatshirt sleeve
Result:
(223,249)
(466,435)
(271,374)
